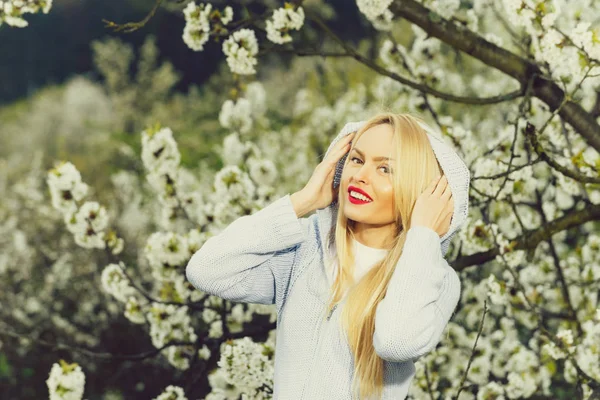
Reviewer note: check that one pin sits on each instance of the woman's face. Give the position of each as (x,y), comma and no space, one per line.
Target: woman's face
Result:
(368,168)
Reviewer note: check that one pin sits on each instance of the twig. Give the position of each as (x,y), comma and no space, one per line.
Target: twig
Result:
(462,382)
(133,26)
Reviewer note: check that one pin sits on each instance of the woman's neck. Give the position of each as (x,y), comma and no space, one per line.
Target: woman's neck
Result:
(375,236)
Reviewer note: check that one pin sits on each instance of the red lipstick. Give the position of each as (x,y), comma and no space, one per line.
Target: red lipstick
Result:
(354,200)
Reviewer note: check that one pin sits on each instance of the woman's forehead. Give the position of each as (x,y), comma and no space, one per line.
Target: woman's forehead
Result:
(376,141)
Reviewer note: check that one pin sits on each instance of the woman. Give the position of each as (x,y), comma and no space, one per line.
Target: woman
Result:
(352,331)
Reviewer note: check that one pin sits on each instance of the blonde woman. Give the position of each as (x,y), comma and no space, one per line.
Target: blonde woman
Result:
(361,286)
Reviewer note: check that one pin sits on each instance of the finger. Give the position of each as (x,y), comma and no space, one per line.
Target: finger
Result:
(341,151)
(441,185)
(345,139)
(447,193)
(432,185)
(337,155)
(342,144)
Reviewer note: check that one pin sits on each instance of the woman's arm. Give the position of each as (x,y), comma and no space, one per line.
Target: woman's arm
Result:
(421,297)
(251,260)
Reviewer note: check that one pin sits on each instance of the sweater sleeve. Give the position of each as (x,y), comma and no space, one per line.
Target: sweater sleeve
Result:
(251,259)
(421,297)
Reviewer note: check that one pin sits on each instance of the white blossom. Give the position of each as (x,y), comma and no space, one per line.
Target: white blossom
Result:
(66,381)
(520,385)
(197,25)
(246,364)
(133,311)
(167,253)
(204,352)
(237,115)
(66,187)
(373,8)
(12,11)
(226,15)
(172,392)
(282,21)
(169,323)
(262,172)
(491,390)
(116,283)
(232,182)
(241,48)
(495,292)
(159,151)
(234,150)
(553,351)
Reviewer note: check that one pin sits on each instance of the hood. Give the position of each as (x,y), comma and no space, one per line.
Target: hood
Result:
(453,166)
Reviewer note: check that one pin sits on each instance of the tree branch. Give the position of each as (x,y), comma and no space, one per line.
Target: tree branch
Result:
(350,52)
(519,68)
(133,26)
(530,240)
(91,353)
(537,147)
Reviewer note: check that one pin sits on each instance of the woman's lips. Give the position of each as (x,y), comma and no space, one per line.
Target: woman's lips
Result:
(354,200)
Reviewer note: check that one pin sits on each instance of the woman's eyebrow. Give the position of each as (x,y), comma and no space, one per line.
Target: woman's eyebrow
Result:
(374,158)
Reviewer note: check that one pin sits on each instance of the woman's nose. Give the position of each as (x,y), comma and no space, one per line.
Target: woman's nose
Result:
(362,175)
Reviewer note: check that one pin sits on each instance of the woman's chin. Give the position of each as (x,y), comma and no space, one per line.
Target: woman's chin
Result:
(351,214)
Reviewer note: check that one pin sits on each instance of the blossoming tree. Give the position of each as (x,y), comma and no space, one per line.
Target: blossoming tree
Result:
(511,84)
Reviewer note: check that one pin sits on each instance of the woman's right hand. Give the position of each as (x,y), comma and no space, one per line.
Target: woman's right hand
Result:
(319,192)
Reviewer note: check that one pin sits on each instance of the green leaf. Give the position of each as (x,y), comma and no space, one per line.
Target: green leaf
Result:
(5,367)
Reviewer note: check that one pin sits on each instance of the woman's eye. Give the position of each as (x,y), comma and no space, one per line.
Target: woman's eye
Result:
(387,169)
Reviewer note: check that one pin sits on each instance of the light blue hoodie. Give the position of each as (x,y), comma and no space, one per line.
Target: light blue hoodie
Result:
(274,257)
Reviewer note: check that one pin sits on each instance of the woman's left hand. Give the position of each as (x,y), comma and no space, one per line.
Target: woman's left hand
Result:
(434,207)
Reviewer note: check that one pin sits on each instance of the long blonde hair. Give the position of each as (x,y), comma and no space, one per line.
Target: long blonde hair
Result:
(415,166)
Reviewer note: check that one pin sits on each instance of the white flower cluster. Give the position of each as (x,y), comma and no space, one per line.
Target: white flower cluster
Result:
(66,187)
(242,114)
(11,11)
(422,61)
(197,23)
(283,20)
(231,182)
(172,393)
(134,311)
(373,8)
(91,215)
(88,222)
(553,351)
(248,366)
(168,252)
(160,154)
(566,338)
(477,235)
(241,49)
(234,195)
(586,353)
(495,291)
(197,27)
(169,323)
(235,152)
(236,115)
(559,46)
(115,282)
(445,8)
(204,352)
(491,390)
(66,381)
(161,158)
